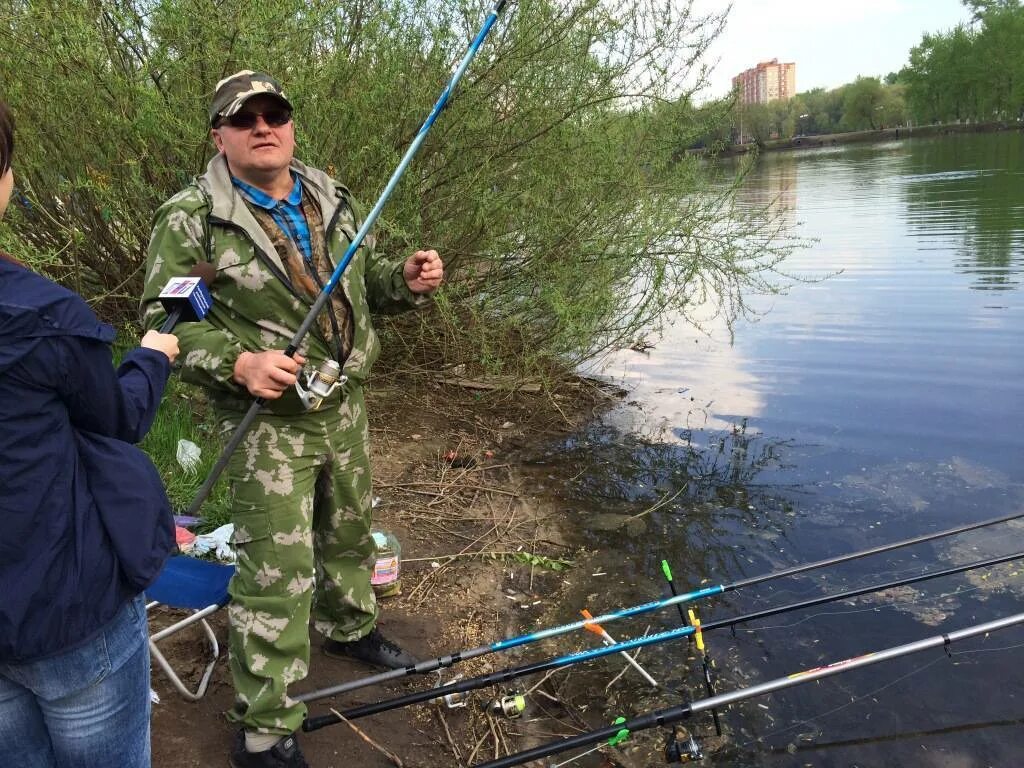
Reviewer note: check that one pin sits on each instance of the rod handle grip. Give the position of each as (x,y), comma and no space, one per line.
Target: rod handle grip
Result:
(321,721)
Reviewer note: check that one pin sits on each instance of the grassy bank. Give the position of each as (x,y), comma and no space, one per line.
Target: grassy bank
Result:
(184,415)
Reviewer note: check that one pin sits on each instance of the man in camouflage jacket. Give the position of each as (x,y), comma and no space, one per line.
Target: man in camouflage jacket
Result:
(274,230)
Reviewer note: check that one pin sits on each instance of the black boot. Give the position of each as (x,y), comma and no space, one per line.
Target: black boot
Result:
(374,649)
(284,754)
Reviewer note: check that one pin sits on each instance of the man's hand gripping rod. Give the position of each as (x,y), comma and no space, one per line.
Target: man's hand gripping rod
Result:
(371,218)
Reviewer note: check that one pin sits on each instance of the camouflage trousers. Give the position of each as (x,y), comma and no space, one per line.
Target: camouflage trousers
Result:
(302,512)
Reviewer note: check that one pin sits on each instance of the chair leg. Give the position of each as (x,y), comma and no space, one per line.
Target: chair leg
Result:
(165,665)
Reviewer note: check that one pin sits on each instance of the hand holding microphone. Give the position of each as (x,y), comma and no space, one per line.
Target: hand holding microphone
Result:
(161,342)
(187,299)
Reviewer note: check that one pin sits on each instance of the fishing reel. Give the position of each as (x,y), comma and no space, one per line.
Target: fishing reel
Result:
(320,384)
(510,705)
(682,747)
(455,699)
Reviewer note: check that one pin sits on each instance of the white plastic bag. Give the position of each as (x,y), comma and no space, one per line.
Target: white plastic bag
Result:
(217,541)
(188,456)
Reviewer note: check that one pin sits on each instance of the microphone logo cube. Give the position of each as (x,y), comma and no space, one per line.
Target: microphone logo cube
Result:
(187,294)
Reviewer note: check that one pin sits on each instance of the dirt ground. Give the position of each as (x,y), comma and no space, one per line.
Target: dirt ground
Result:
(452,472)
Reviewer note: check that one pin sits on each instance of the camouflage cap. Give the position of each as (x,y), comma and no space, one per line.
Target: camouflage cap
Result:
(233,91)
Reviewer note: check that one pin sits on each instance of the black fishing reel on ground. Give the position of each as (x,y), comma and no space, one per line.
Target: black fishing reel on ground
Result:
(682,747)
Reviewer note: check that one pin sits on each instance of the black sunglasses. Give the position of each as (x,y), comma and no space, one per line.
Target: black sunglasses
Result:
(275,118)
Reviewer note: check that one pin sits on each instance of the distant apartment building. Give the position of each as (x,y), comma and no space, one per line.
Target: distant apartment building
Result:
(768,81)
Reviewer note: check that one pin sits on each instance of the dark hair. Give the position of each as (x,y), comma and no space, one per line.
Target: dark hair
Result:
(6,137)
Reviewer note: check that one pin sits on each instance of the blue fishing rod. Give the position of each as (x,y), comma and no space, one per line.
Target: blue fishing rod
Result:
(507,675)
(432,665)
(672,715)
(368,222)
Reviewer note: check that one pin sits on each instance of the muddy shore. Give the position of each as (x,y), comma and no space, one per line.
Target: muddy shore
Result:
(485,556)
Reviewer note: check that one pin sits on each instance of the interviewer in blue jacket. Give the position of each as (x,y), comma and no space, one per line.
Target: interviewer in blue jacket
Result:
(85,524)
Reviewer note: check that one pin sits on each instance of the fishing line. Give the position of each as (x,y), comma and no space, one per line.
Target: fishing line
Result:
(894,604)
(812,723)
(890,574)
(954,655)
(987,650)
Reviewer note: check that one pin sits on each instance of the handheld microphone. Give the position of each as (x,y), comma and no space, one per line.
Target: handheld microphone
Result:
(187,299)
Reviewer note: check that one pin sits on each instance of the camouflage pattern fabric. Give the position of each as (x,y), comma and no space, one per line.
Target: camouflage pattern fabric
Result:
(255,305)
(336,326)
(301,480)
(234,90)
(300,485)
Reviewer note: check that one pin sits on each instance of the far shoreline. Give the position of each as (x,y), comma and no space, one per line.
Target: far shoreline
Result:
(851,137)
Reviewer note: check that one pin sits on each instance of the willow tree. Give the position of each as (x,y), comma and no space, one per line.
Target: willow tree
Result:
(553,184)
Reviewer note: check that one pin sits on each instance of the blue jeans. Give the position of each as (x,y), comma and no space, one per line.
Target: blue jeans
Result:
(84,708)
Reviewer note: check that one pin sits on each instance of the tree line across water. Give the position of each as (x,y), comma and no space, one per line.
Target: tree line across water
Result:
(974,72)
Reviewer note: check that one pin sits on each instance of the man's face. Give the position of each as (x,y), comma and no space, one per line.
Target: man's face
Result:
(6,188)
(261,152)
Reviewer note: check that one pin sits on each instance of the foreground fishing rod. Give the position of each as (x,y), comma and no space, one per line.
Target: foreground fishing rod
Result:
(675,714)
(329,286)
(690,618)
(431,665)
(507,675)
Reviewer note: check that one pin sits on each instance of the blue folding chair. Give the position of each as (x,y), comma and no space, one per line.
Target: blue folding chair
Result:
(197,585)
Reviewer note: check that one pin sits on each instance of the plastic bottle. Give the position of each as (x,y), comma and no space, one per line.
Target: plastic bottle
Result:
(386,580)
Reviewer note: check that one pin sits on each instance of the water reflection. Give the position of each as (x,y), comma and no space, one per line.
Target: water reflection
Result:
(671,380)
(776,190)
(970,195)
(708,490)
(857,411)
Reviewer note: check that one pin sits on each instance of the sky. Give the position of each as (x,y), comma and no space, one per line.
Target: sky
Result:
(831,41)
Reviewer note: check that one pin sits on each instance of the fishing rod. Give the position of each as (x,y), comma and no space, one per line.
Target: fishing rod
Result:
(672,715)
(709,683)
(690,618)
(432,665)
(494,678)
(607,639)
(512,673)
(368,222)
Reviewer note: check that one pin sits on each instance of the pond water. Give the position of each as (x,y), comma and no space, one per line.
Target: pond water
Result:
(879,404)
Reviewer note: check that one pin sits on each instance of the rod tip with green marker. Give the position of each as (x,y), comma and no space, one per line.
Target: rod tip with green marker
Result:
(666,570)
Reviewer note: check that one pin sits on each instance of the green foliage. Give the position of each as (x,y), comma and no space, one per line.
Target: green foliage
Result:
(861,101)
(553,184)
(865,104)
(973,72)
(183,415)
(540,561)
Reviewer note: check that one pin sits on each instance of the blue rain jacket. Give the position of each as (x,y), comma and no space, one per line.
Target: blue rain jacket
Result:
(85,524)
